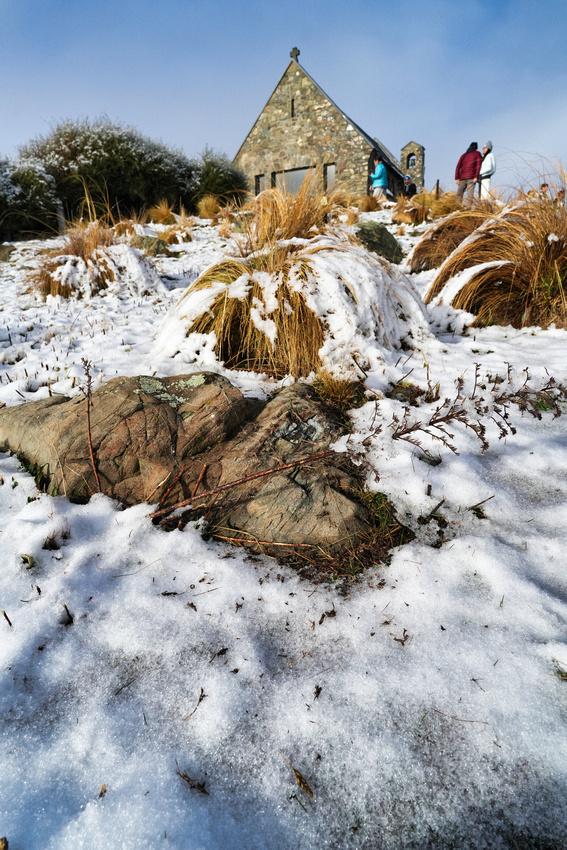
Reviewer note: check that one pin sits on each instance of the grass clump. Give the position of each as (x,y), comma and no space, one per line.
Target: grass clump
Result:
(525,282)
(368,203)
(162,212)
(262,326)
(443,237)
(276,215)
(208,207)
(82,253)
(341,393)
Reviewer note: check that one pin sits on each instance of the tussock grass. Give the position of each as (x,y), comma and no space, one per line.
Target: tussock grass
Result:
(208,207)
(84,244)
(162,213)
(238,322)
(278,215)
(368,203)
(526,283)
(424,206)
(264,324)
(341,393)
(443,237)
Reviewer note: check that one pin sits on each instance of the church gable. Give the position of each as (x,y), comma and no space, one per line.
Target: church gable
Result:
(301,128)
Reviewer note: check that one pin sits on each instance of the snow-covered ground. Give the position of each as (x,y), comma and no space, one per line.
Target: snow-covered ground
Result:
(424,709)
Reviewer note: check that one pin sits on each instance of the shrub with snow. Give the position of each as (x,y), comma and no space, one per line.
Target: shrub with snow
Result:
(115,162)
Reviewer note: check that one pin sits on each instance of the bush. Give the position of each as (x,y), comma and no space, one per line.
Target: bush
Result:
(125,169)
(27,199)
(218,176)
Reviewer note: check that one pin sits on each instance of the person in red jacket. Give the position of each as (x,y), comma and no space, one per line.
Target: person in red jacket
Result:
(466,172)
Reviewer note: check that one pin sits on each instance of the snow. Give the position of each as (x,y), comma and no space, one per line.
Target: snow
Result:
(423,707)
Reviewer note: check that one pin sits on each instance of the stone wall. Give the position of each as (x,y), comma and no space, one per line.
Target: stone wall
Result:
(301,128)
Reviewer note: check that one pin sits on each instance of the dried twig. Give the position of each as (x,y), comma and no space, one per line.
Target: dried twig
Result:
(88,392)
(199,479)
(459,719)
(192,783)
(202,696)
(246,478)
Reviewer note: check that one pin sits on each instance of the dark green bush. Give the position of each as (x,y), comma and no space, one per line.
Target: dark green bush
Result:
(221,178)
(27,199)
(117,165)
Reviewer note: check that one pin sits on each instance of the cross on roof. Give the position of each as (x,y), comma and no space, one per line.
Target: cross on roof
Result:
(294,54)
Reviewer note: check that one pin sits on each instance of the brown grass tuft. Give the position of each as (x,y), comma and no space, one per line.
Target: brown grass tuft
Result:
(162,213)
(208,207)
(341,393)
(526,283)
(278,215)
(441,239)
(240,344)
(84,243)
(368,203)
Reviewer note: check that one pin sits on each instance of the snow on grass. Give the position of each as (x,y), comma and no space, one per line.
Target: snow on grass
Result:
(423,708)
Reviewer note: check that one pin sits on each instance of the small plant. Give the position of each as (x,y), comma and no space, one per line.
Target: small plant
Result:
(489,402)
(162,213)
(208,207)
(340,393)
(368,203)
(83,252)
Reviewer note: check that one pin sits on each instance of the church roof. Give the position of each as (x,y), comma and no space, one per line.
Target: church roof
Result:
(373,142)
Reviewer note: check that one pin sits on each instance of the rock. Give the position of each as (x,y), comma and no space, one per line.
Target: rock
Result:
(143,430)
(377,238)
(312,505)
(151,245)
(153,439)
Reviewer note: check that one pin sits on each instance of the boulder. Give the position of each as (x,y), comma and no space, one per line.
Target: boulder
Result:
(377,238)
(142,431)
(158,439)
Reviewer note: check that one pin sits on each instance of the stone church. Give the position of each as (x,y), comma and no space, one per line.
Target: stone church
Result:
(301,128)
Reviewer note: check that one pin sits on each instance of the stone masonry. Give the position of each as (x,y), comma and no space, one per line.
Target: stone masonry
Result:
(300,127)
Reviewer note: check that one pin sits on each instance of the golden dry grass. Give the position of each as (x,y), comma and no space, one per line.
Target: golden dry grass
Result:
(265,227)
(342,393)
(208,207)
(279,215)
(87,242)
(162,213)
(442,238)
(527,287)
(368,203)
(240,343)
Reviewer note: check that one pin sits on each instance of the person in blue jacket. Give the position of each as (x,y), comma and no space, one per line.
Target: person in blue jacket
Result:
(379,178)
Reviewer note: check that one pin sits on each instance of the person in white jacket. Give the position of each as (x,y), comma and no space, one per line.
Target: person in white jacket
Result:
(487,169)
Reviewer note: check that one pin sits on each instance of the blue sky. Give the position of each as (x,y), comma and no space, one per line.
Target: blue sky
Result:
(196,73)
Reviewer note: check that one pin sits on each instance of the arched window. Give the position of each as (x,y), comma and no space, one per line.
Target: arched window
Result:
(412,161)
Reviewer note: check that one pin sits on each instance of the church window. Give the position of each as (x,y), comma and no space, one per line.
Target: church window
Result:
(259,183)
(412,161)
(290,180)
(292,108)
(329,175)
